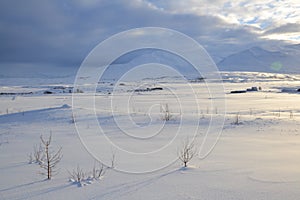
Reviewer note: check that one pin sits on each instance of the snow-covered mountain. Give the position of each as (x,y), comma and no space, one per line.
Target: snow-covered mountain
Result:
(149,57)
(282,60)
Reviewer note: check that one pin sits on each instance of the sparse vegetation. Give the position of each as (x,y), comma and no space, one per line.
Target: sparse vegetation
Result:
(49,159)
(81,178)
(77,175)
(113,160)
(78,91)
(37,155)
(291,114)
(72,119)
(98,170)
(216,111)
(45,157)
(187,152)
(237,119)
(166,112)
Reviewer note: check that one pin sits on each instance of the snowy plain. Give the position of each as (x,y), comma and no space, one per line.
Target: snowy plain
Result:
(256,158)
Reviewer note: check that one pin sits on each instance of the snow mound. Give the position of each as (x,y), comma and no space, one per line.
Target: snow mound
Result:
(65,106)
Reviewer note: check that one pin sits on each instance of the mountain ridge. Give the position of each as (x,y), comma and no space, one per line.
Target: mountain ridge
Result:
(285,59)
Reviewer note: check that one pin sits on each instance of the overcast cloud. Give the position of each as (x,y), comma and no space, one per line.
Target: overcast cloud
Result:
(62,32)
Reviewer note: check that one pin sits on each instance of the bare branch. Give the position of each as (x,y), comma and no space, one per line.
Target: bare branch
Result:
(49,159)
(187,152)
(166,113)
(98,171)
(77,175)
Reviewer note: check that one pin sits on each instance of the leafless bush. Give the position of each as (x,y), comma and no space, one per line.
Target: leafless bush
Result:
(37,156)
(78,91)
(237,119)
(166,113)
(50,159)
(77,175)
(72,119)
(291,115)
(98,171)
(30,159)
(113,161)
(187,152)
(81,178)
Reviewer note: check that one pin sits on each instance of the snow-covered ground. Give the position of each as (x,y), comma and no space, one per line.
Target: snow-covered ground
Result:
(256,158)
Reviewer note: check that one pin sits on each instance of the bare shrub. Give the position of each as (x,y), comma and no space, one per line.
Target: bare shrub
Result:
(30,159)
(187,152)
(77,175)
(50,158)
(113,161)
(72,121)
(81,178)
(237,119)
(291,115)
(37,156)
(98,170)
(166,113)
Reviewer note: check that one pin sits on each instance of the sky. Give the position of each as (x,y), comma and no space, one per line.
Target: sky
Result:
(61,33)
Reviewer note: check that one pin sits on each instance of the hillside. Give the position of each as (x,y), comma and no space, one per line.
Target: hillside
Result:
(284,60)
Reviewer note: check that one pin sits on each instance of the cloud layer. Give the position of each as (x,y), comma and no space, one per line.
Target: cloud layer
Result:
(263,14)
(61,33)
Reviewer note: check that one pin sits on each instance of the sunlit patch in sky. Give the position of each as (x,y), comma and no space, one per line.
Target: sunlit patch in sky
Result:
(276,66)
(292,37)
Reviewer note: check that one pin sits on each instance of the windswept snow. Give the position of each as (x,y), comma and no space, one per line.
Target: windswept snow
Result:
(257,158)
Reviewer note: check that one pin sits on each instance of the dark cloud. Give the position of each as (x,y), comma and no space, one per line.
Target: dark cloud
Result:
(286,28)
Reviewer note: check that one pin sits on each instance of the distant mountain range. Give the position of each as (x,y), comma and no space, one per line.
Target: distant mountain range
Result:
(282,60)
